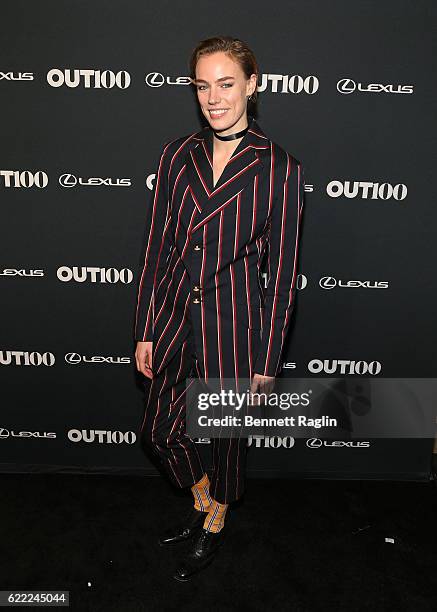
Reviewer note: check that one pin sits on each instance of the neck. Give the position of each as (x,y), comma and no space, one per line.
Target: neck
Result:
(242,124)
(229,144)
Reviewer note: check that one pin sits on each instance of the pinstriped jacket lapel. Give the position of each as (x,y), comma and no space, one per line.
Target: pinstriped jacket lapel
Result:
(243,165)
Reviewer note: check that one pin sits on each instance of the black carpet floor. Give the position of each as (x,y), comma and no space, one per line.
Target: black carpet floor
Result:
(299,545)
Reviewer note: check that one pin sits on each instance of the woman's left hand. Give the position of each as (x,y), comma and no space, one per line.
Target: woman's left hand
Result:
(261,384)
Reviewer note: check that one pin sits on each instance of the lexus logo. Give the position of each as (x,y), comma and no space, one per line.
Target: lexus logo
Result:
(317,443)
(18,76)
(15,272)
(329,282)
(69,180)
(75,358)
(348,86)
(314,442)
(5,433)
(155,79)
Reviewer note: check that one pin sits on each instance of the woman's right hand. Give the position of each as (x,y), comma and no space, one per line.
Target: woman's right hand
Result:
(143,357)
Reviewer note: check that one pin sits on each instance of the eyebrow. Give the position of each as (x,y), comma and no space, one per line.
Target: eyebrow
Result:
(217,81)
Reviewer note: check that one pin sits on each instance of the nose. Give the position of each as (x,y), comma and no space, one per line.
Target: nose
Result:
(213,96)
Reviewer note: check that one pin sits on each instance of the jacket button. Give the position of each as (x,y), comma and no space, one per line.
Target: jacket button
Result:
(196,288)
(197,248)
(196,301)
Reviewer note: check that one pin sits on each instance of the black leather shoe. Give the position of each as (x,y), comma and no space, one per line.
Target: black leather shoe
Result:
(185,529)
(203,551)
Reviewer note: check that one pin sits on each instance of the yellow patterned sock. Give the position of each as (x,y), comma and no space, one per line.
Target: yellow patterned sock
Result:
(202,497)
(215,519)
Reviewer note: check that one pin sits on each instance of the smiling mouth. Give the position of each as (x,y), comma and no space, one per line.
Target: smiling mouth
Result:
(217,112)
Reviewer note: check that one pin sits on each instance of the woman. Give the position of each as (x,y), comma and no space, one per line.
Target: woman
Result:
(225,197)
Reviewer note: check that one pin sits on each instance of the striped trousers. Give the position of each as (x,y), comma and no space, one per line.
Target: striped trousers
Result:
(163,432)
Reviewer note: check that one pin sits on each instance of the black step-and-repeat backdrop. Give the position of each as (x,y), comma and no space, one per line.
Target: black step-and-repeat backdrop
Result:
(90,91)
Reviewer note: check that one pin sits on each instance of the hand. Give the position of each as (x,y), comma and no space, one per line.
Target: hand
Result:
(143,357)
(261,384)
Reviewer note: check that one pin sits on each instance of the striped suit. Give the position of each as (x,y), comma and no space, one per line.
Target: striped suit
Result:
(200,279)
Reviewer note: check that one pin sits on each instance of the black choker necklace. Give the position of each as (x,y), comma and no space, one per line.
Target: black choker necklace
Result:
(232,136)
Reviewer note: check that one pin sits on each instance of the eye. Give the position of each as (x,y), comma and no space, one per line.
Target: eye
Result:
(227,84)
(199,87)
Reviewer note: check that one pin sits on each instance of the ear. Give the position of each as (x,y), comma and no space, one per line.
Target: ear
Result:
(252,84)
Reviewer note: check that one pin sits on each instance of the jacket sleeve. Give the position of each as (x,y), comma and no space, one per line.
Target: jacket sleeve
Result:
(283,242)
(156,246)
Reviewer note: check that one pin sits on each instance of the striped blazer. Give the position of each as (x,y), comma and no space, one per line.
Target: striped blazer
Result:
(206,246)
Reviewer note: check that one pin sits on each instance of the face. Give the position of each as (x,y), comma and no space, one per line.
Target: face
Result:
(222,90)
